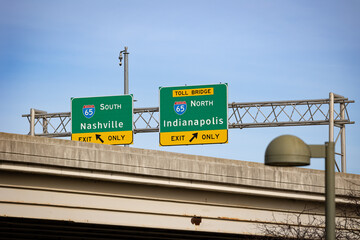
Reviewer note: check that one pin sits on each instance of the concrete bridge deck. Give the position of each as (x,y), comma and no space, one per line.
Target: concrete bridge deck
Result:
(61,180)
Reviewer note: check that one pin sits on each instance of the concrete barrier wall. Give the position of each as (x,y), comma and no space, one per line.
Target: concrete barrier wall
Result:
(89,156)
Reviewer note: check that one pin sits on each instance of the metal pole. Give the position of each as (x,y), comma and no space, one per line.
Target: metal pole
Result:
(330,176)
(45,125)
(343,140)
(32,122)
(331,117)
(330,191)
(126,72)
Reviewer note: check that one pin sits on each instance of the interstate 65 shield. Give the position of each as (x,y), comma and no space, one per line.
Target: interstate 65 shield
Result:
(180,107)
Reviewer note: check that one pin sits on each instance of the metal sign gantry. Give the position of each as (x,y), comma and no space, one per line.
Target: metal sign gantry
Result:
(332,111)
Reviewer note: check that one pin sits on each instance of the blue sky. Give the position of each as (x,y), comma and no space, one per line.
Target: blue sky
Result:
(265,50)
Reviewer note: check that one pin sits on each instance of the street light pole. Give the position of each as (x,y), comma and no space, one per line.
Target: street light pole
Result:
(330,175)
(126,69)
(289,150)
(330,191)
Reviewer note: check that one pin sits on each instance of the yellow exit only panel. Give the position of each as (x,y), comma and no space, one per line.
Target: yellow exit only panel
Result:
(112,138)
(193,137)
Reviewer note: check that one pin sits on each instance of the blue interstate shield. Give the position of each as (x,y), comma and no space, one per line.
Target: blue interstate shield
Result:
(180,107)
(88,111)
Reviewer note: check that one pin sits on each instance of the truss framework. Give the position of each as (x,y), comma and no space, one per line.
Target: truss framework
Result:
(240,115)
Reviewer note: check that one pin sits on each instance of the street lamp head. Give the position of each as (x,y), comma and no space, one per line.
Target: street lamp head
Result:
(287,150)
(120,58)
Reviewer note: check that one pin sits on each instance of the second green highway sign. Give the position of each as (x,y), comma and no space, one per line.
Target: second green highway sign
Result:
(193,115)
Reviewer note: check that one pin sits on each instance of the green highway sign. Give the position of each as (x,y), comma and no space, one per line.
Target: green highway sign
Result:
(106,120)
(193,115)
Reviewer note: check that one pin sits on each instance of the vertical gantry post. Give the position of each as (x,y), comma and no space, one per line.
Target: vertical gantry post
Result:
(32,122)
(45,124)
(330,176)
(343,140)
(331,117)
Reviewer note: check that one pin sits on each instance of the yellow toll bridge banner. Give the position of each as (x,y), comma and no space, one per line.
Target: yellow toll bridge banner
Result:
(193,92)
(113,138)
(193,137)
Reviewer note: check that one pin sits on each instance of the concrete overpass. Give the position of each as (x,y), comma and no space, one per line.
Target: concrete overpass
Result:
(74,190)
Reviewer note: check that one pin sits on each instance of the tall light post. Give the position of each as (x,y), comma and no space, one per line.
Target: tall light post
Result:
(288,150)
(126,69)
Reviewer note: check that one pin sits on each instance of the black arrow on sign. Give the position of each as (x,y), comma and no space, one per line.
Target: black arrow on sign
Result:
(195,135)
(98,137)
